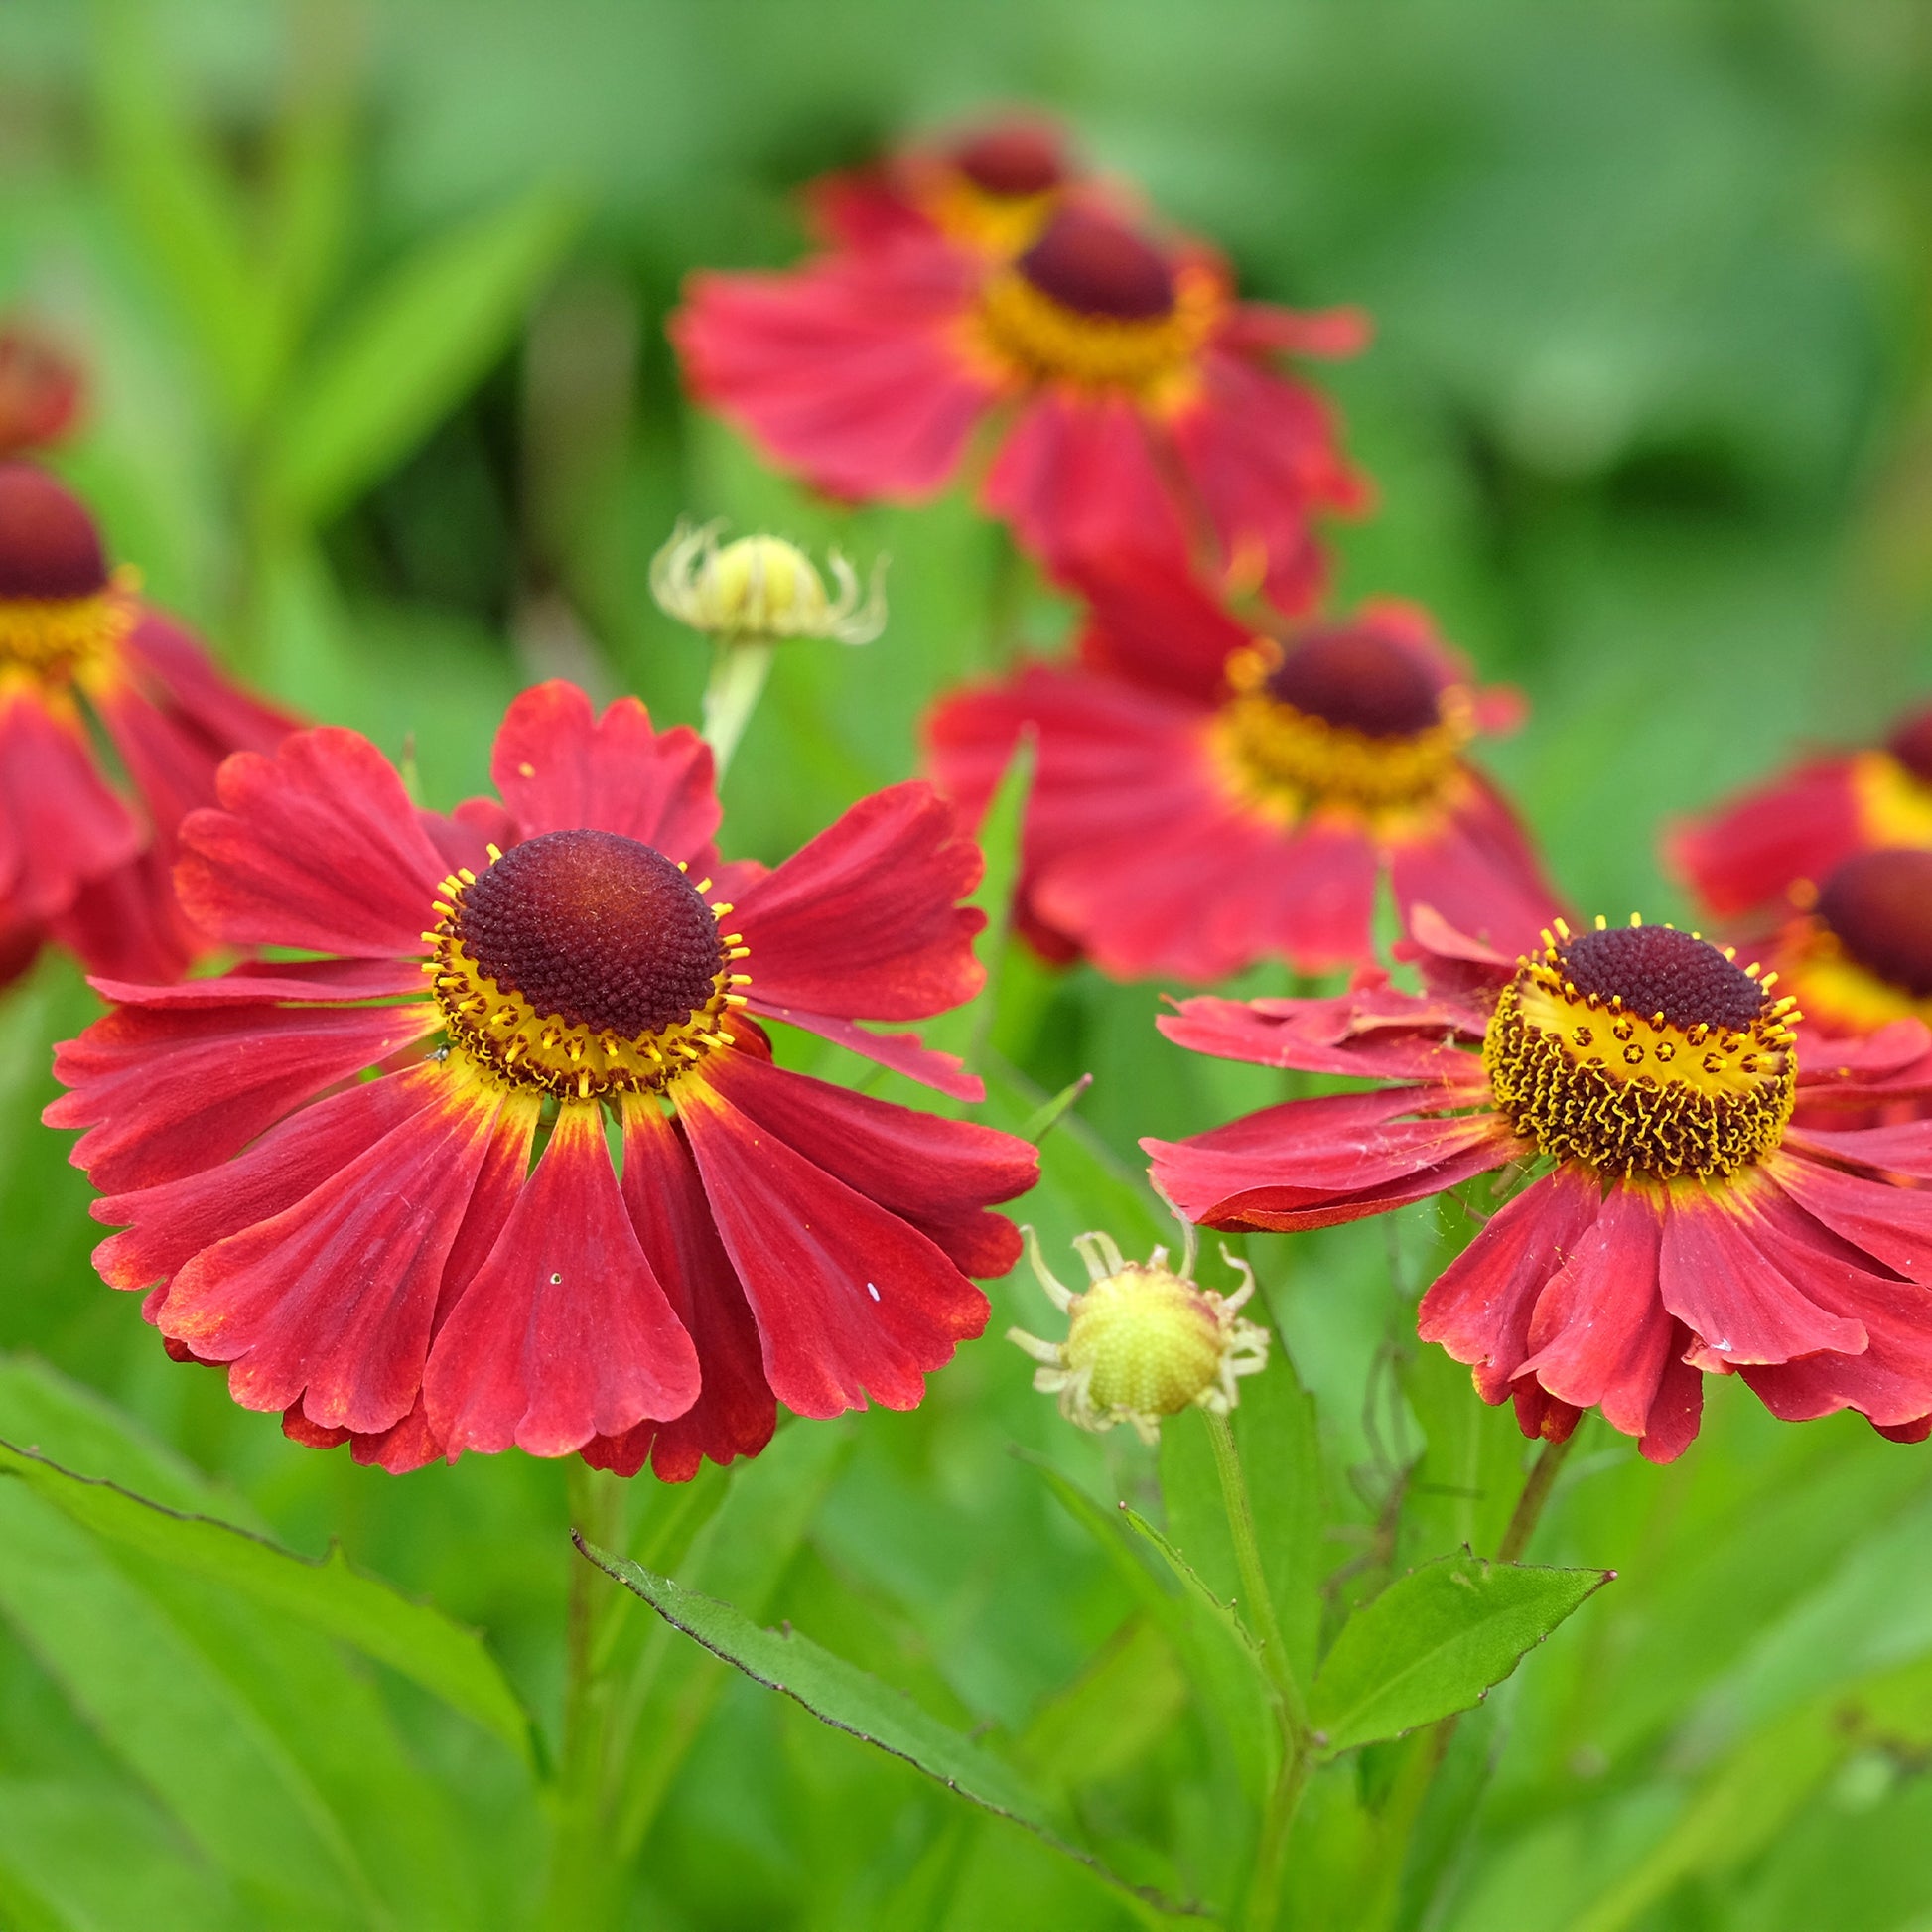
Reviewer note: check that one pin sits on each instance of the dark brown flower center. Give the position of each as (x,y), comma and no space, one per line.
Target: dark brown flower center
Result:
(1360,680)
(50,549)
(593,929)
(1011,160)
(1655,969)
(1878,905)
(1911,745)
(1096,267)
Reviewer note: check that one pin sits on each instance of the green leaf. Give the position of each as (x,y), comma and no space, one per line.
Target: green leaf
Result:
(1279,1435)
(178,1723)
(1435,1641)
(396,364)
(848,1699)
(1047,1115)
(414,1639)
(1111,1715)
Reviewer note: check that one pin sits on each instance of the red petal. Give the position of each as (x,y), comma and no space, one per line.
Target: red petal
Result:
(261,981)
(850,1301)
(1152,624)
(564,1334)
(329,1303)
(128,922)
(1253,326)
(1891,1225)
(1905,1148)
(902,1052)
(1601,1332)
(1313,1162)
(735,1413)
(196,691)
(165,1226)
(1719,1277)
(1676,1409)
(61,823)
(165,1095)
(318,847)
(939,1175)
(1373,1031)
(850,371)
(560,766)
(1475,869)
(863,922)
(1078,479)
(1479,1307)
(1748,853)
(1311,899)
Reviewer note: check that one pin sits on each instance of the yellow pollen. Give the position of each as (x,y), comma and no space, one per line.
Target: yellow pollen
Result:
(1588,1080)
(1288,762)
(1028,337)
(67,639)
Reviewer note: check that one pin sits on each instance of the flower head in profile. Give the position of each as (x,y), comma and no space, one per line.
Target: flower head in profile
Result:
(375,1177)
(1143,1341)
(987,188)
(86,851)
(1679,1223)
(1138,406)
(1774,846)
(41,389)
(761,589)
(1204,797)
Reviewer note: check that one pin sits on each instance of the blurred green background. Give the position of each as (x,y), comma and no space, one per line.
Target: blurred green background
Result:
(372,299)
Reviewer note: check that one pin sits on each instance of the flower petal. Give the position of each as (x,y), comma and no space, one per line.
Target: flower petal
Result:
(60,822)
(1893,1225)
(165,1095)
(939,1175)
(902,1052)
(560,766)
(1374,1031)
(564,1334)
(736,1412)
(1479,1307)
(1723,1280)
(1152,624)
(330,1301)
(1747,853)
(317,847)
(851,1302)
(323,980)
(1600,1333)
(863,922)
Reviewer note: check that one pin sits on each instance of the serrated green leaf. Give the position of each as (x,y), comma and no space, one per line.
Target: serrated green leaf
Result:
(414,1639)
(1435,1641)
(848,1699)
(415,343)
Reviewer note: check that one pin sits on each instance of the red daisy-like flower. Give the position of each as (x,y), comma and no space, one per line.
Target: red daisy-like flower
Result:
(1204,797)
(988,190)
(82,656)
(40,390)
(1681,1223)
(1136,403)
(1749,855)
(392,1261)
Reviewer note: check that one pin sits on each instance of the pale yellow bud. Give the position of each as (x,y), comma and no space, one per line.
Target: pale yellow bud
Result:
(1142,1341)
(759,588)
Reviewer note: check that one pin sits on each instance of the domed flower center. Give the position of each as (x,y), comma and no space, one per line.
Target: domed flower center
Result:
(1878,907)
(583,962)
(1642,1050)
(1348,716)
(1094,302)
(1012,162)
(1911,745)
(61,612)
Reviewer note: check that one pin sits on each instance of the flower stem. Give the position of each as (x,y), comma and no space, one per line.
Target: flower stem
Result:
(1529,1505)
(737,674)
(1264,1900)
(582,1892)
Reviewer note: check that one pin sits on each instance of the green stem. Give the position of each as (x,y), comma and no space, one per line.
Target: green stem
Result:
(1529,1505)
(737,674)
(1264,1901)
(1416,1777)
(581,1895)
(1258,1604)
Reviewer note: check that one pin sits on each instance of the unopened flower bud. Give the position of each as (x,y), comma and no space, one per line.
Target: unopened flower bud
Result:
(759,588)
(1143,1340)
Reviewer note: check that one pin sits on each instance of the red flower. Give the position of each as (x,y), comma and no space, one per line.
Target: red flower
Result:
(393,1261)
(988,190)
(1682,1224)
(1205,798)
(1749,855)
(40,390)
(79,654)
(1137,403)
